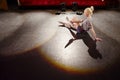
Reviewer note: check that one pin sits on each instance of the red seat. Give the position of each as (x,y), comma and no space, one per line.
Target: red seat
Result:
(68,2)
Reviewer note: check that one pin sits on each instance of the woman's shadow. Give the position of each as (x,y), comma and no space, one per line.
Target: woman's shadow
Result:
(90,43)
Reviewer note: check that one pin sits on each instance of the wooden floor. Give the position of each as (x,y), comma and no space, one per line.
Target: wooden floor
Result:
(32,47)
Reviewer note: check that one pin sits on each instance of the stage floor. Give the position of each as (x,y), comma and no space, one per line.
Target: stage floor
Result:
(32,46)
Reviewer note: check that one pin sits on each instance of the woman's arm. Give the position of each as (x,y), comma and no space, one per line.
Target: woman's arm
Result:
(92,31)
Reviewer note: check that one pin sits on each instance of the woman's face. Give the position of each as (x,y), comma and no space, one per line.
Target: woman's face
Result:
(75,25)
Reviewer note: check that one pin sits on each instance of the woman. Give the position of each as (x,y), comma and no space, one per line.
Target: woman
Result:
(83,25)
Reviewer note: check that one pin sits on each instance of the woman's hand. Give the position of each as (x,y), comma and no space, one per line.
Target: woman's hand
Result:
(98,39)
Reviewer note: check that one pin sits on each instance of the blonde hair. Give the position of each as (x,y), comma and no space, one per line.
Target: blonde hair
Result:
(92,8)
(89,10)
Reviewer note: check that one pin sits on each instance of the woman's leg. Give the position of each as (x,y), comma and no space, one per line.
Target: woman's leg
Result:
(68,25)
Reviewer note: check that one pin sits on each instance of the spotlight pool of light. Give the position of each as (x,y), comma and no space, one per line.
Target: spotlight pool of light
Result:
(75,58)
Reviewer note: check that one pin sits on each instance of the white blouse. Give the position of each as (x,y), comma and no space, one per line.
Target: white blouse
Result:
(87,24)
